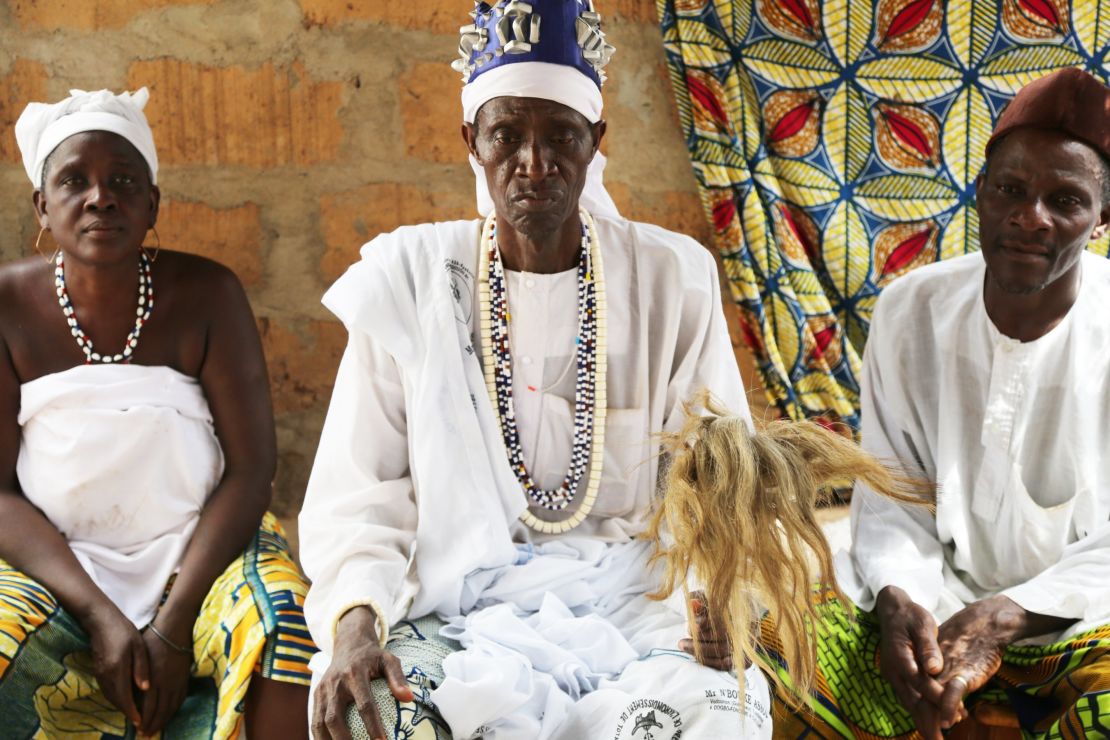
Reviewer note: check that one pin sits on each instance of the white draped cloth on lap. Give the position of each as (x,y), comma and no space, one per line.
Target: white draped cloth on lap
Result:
(567,634)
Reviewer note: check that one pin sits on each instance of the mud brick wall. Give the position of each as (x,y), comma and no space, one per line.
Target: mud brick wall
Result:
(292,131)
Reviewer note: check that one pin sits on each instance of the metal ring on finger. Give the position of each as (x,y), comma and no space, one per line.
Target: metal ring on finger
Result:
(962,680)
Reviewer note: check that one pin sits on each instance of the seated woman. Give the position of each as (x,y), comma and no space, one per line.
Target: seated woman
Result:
(143,586)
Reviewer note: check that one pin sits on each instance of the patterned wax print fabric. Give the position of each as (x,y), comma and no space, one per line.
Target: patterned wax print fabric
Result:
(1058,691)
(421,650)
(836,145)
(251,623)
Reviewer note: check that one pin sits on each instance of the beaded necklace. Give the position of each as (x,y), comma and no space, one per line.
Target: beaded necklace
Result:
(589,387)
(142,313)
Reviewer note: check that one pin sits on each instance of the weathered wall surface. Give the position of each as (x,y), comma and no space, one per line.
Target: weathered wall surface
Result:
(292,131)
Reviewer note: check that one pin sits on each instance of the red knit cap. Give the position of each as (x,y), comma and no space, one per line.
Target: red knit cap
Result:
(1068,100)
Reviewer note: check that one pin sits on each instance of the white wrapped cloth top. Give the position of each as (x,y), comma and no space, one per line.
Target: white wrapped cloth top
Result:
(121,459)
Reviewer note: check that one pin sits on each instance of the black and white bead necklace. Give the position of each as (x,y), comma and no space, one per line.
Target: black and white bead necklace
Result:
(142,313)
(589,388)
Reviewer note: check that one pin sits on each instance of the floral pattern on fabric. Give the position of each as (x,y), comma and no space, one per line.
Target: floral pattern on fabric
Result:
(836,146)
(251,623)
(1059,691)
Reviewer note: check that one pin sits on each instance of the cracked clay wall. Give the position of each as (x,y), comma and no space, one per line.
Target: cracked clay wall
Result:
(290,132)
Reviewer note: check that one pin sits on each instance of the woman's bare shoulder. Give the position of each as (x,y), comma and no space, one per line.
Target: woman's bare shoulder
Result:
(198,280)
(18,280)
(189,266)
(15,272)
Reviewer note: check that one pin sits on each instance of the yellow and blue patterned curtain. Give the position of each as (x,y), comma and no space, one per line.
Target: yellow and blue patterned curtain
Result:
(836,146)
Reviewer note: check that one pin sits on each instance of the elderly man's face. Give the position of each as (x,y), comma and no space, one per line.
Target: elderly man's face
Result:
(1039,203)
(535,154)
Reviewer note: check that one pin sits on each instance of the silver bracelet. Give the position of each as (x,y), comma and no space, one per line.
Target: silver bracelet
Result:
(168,641)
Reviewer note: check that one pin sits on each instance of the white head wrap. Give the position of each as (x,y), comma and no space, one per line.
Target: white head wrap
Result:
(43,126)
(555,82)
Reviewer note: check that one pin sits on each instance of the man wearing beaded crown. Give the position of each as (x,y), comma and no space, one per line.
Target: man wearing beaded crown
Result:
(491,448)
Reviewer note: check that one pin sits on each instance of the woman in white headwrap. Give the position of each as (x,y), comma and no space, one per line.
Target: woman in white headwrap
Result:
(143,586)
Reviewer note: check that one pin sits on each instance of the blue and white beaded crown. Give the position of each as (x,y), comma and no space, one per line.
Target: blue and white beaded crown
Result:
(563,32)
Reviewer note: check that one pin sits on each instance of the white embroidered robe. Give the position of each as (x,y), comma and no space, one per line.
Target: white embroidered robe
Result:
(1015,435)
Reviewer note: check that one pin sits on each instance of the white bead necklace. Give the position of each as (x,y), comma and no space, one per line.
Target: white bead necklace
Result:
(142,313)
(590,400)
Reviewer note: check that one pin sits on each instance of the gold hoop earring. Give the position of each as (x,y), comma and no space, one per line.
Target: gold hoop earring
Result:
(38,247)
(157,246)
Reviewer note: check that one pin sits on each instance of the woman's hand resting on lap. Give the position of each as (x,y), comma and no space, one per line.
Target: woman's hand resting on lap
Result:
(169,681)
(121,662)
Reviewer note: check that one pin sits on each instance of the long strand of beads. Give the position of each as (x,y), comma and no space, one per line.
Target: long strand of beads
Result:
(142,313)
(590,390)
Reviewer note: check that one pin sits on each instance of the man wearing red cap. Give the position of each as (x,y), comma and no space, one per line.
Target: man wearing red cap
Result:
(990,374)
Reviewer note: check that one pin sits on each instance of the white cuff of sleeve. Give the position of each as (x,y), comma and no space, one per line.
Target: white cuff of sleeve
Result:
(920,594)
(1032,598)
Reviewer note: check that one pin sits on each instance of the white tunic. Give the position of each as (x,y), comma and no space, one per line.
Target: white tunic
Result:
(372,495)
(411,491)
(121,459)
(1014,433)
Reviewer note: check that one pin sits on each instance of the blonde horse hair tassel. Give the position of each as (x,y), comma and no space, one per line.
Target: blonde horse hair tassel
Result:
(738,514)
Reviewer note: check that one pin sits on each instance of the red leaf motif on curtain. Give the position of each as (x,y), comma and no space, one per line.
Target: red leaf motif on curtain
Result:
(799,10)
(794,19)
(706,94)
(907,25)
(793,122)
(1035,20)
(905,252)
(911,134)
(729,234)
(907,137)
(806,237)
(797,235)
(1043,10)
(724,211)
(901,247)
(822,340)
(832,422)
(752,338)
(909,17)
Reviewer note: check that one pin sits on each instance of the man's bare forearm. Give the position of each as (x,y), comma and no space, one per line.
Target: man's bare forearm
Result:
(1015,623)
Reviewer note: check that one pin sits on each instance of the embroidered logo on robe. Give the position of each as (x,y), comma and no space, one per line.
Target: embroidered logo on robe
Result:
(461,280)
(649,719)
